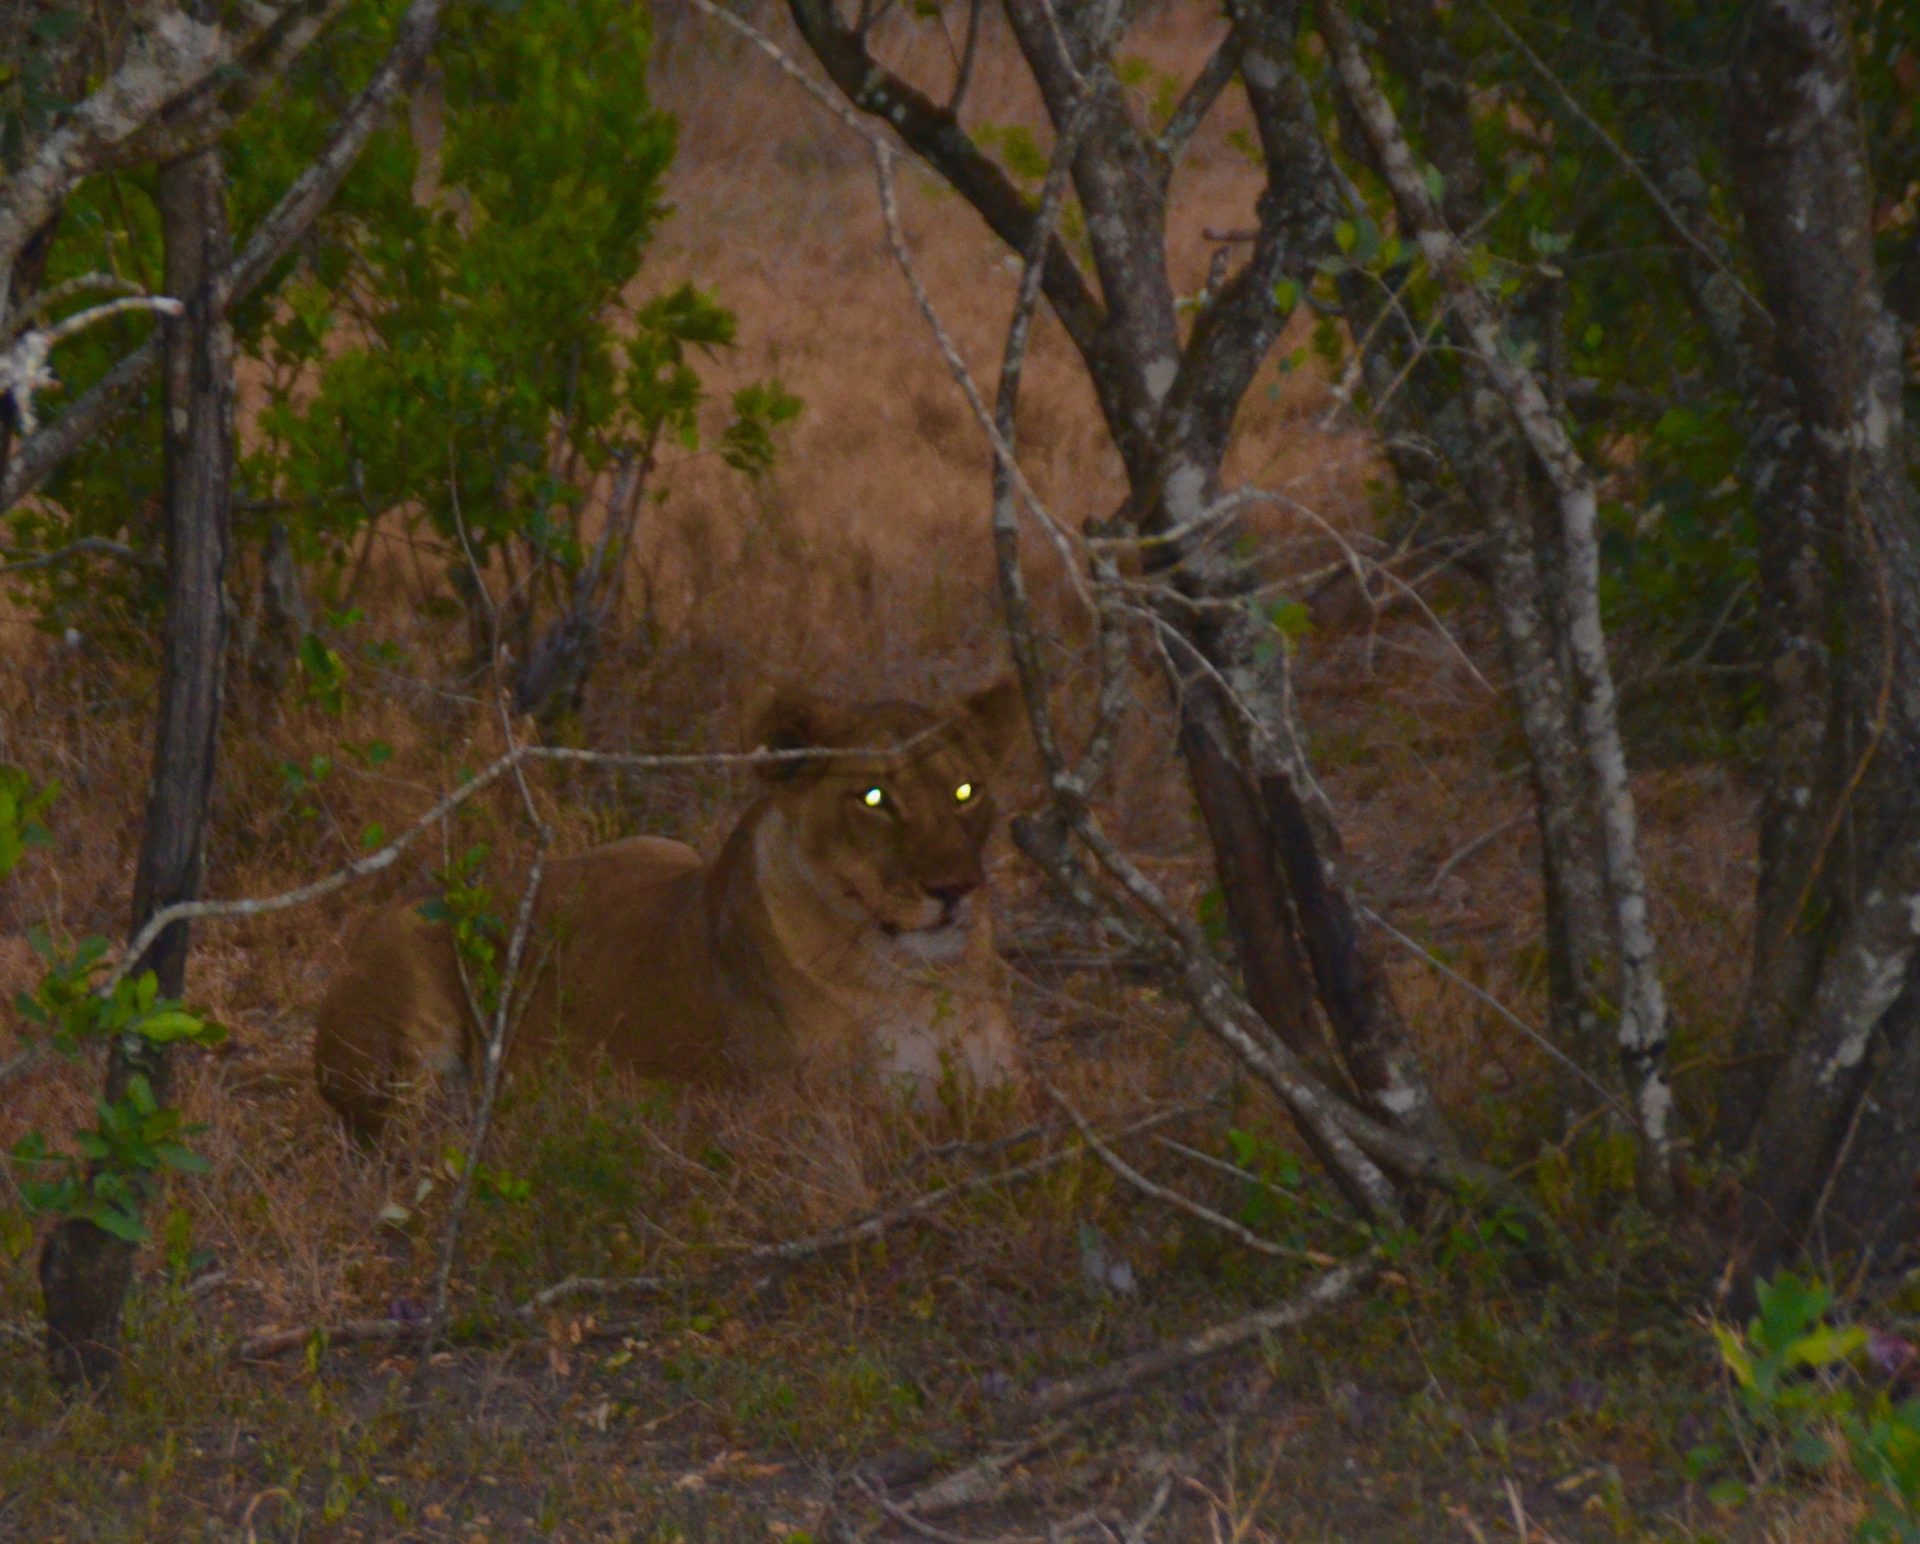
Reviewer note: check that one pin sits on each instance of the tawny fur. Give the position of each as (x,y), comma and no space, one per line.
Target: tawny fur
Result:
(826,926)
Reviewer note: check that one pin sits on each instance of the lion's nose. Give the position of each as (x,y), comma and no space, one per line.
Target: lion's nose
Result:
(951,895)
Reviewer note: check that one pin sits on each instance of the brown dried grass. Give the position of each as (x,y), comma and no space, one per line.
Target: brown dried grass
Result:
(863,563)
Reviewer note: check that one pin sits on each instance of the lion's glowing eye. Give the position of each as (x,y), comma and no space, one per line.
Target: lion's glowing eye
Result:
(963,793)
(874,798)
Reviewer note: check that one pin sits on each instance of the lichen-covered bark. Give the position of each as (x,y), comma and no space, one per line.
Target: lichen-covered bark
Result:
(1641,1032)
(1803,179)
(1447,402)
(1796,553)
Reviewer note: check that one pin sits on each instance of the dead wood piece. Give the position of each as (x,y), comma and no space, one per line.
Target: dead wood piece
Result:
(270,1343)
(1329,1290)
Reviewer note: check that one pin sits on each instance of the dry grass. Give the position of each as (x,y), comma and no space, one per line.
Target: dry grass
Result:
(865,562)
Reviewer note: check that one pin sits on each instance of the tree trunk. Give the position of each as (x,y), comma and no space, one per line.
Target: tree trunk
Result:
(1570,570)
(1837,1132)
(85,1272)
(1474,431)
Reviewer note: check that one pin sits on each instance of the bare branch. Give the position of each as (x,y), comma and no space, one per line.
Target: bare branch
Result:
(45,300)
(499,1033)
(385,857)
(1324,1292)
(1214,77)
(1607,1096)
(23,366)
(12,562)
(275,1342)
(963,74)
(35,458)
(1234,1230)
(1003,453)
(314,188)
(935,136)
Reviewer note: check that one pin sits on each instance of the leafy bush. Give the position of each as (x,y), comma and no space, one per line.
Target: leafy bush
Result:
(1802,1406)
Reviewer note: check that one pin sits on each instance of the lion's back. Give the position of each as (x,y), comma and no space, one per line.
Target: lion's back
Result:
(627,965)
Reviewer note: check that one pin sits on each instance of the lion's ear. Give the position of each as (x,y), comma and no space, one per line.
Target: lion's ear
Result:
(793,720)
(997,712)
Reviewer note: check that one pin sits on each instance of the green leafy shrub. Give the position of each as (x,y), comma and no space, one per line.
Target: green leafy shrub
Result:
(1802,1406)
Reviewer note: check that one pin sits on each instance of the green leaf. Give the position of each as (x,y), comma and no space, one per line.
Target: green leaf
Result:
(1291,619)
(16,1234)
(1286,295)
(1827,1344)
(123,1225)
(171,1024)
(1733,1352)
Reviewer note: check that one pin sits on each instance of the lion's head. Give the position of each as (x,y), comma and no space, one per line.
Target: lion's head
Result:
(893,822)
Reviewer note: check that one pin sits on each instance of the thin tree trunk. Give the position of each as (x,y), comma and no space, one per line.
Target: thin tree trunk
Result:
(1803,180)
(85,1272)
(1641,1038)
(1260,921)
(1476,434)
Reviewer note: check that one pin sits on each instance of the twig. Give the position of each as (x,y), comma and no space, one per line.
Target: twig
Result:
(792,71)
(1207,1160)
(1005,522)
(1326,1291)
(497,1041)
(914,1525)
(1502,1010)
(14,563)
(963,73)
(868,1227)
(385,857)
(1179,1202)
(58,294)
(980,1481)
(24,368)
(1135,1532)
(957,367)
(1462,854)
(1214,77)
(1359,562)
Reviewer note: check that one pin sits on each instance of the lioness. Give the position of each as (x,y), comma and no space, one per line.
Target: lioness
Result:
(844,910)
